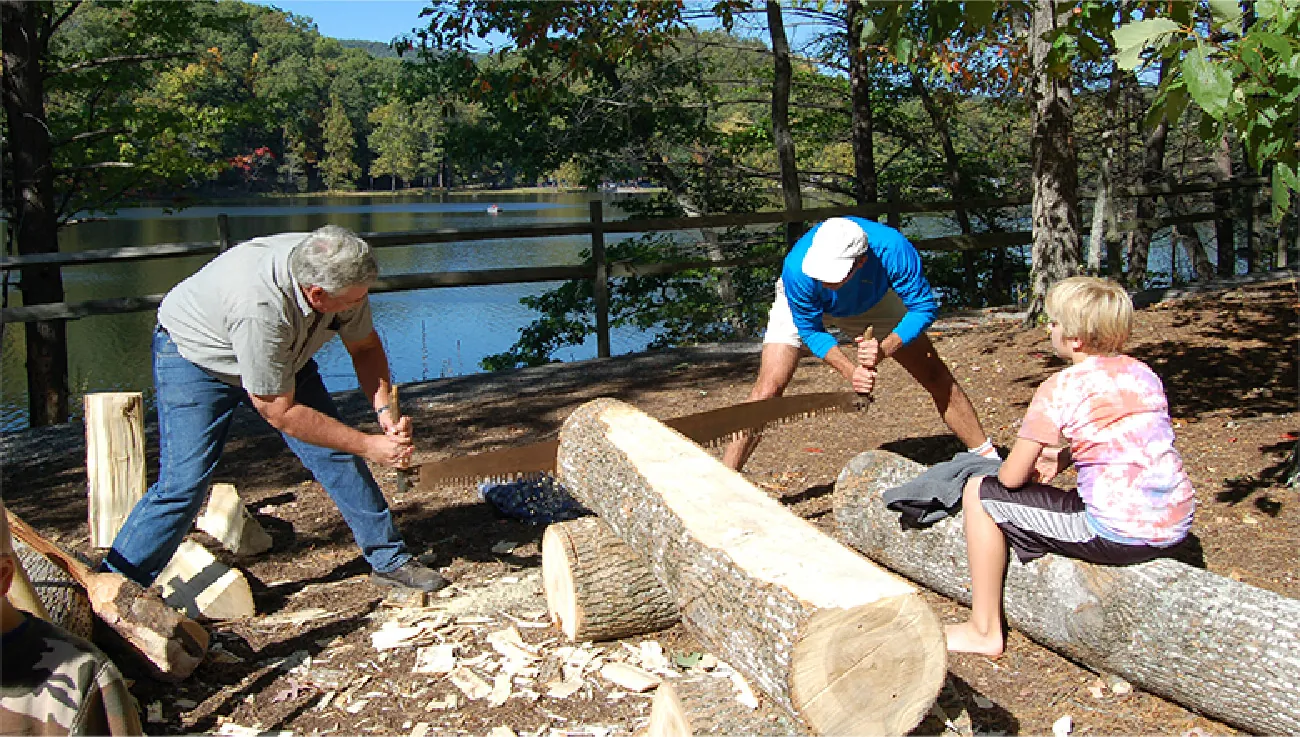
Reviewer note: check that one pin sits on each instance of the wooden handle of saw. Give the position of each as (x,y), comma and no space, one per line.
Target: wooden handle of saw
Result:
(869,334)
(394,407)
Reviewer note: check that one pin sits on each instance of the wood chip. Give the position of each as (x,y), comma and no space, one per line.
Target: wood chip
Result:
(470,683)
(630,677)
(447,702)
(435,659)
(420,729)
(500,690)
(563,689)
(501,731)
(296,618)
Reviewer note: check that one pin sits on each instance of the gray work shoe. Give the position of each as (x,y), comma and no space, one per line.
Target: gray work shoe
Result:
(412,575)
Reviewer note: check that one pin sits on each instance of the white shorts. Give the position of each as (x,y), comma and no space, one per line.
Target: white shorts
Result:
(883,316)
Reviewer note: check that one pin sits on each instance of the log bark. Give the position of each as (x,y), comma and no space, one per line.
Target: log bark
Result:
(59,597)
(1223,648)
(115,461)
(598,588)
(833,639)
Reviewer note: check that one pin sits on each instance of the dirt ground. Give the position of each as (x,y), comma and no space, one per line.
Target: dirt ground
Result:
(307,663)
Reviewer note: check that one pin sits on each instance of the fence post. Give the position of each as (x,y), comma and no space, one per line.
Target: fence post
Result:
(223,231)
(600,289)
(1248,194)
(894,218)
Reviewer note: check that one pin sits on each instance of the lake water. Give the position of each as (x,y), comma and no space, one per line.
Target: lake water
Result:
(428,333)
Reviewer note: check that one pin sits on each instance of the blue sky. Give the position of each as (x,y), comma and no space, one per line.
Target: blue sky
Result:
(367,20)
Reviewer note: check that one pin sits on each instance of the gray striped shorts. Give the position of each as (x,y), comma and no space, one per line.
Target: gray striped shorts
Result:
(1038,519)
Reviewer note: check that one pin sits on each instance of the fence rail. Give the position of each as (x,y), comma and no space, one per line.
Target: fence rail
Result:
(600,271)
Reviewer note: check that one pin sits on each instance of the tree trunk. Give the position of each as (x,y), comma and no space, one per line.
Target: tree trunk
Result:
(598,588)
(952,164)
(831,638)
(33,217)
(1218,646)
(1103,237)
(1057,248)
(865,184)
(781,135)
(1224,227)
(1153,162)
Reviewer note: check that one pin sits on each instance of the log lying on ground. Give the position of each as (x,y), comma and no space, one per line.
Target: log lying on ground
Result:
(840,643)
(598,588)
(705,704)
(115,461)
(1223,648)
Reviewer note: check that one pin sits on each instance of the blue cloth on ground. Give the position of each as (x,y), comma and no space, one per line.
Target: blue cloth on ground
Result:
(538,501)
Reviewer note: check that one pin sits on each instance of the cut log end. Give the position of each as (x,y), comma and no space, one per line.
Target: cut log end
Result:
(872,669)
(597,587)
(557,581)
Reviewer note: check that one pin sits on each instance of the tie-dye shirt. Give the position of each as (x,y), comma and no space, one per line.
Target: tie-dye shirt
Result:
(1114,413)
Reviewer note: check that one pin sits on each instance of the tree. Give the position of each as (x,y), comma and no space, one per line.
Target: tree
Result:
(81,135)
(1242,71)
(1057,250)
(338,168)
(396,142)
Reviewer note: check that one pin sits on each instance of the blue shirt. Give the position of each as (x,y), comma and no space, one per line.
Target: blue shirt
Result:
(892,263)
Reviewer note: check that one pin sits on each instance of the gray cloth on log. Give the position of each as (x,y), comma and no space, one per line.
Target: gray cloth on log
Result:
(934,494)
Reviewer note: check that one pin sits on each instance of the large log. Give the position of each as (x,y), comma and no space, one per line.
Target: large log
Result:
(115,461)
(598,588)
(840,643)
(1223,648)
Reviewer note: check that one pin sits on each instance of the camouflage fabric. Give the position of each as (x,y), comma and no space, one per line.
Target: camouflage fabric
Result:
(57,683)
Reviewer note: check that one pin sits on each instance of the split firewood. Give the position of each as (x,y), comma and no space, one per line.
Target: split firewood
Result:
(115,461)
(829,636)
(226,518)
(1223,648)
(598,588)
(195,582)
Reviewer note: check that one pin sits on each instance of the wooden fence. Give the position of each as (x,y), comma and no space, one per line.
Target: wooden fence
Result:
(596,228)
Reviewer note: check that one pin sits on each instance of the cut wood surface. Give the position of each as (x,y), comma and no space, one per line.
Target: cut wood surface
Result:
(227,520)
(837,641)
(1215,645)
(115,461)
(706,704)
(598,588)
(167,642)
(60,598)
(198,584)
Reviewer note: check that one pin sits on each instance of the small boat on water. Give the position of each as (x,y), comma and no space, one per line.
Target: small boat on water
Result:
(493,209)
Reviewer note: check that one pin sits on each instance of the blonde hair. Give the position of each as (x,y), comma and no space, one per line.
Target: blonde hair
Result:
(1096,311)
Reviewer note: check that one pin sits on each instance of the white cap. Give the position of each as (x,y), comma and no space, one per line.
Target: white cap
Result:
(836,245)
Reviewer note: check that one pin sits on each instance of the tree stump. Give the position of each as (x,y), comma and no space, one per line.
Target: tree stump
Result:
(598,588)
(115,461)
(835,640)
(1223,648)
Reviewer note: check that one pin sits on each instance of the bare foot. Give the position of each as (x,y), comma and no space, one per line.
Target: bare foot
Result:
(964,638)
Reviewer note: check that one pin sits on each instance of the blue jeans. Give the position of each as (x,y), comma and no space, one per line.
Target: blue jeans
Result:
(194,415)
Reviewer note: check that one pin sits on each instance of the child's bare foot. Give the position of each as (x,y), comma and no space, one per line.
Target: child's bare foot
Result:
(964,638)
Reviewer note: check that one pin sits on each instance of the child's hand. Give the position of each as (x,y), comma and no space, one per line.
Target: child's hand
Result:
(1050,463)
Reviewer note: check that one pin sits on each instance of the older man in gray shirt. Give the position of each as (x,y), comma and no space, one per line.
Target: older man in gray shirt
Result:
(243,329)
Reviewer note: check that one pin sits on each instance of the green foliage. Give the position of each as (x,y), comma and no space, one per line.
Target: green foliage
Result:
(338,169)
(1244,77)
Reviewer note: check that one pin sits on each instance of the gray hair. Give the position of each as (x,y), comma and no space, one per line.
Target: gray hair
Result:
(333,259)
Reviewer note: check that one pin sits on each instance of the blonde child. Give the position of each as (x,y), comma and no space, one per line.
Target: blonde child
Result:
(1134,501)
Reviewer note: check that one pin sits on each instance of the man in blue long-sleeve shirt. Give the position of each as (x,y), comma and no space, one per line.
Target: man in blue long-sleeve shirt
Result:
(852,272)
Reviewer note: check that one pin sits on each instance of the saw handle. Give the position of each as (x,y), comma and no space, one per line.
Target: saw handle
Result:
(395,412)
(868,334)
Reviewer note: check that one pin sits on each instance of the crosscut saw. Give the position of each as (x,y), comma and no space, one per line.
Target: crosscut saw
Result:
(710,428)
